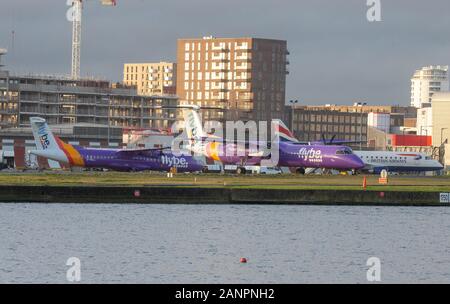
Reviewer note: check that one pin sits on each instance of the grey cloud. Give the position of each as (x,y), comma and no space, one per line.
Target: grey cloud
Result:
(336,55)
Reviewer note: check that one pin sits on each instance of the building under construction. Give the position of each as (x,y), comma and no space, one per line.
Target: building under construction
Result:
(83,112)
(67,101)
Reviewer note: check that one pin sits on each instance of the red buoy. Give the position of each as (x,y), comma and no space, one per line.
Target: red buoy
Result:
(243,260)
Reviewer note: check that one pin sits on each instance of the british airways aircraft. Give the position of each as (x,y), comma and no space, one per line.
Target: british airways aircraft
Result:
(377,161)
(53,148)
(291,154)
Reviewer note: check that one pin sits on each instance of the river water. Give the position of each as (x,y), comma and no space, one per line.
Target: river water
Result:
(204,243)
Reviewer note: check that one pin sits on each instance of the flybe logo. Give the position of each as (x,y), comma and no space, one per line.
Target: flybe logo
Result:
(311,155)
(43,137)
(192,126)
(177,162)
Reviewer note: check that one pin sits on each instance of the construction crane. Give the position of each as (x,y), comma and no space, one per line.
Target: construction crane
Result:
(77,6)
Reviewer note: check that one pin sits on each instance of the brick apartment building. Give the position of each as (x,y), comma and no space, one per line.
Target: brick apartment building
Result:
(244,77)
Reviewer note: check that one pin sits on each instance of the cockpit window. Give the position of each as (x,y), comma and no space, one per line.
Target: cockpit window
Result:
(344,151)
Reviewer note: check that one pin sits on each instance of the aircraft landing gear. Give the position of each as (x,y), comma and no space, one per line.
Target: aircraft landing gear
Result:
(241,170)
(300,171)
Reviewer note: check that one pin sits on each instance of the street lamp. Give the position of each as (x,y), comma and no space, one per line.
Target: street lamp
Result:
(426,130)
(360,123)
(292,102)
(442,131)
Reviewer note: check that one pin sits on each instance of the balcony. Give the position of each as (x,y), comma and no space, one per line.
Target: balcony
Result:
(9,111)
(29,101)
(242,48)
(218,57)
(243,67)
(219,68)
(219,47)
(220,88)
(243,59)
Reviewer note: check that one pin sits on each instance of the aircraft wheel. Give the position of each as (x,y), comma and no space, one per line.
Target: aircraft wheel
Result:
(205,170)
(300,171)
(240,170)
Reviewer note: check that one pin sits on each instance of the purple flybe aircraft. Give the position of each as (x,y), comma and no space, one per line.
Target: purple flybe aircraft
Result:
(53,148)
(291,154)
(313,155)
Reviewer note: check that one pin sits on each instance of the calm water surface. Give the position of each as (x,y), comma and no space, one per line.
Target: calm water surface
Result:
(203,243)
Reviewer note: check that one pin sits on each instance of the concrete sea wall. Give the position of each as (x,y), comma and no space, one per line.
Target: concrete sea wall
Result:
(199,195)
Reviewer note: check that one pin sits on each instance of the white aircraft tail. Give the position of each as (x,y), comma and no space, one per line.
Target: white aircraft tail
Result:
(193,124)
(43,136)
(46,143)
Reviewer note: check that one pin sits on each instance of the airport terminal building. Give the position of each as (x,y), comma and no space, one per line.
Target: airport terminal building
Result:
(352,123)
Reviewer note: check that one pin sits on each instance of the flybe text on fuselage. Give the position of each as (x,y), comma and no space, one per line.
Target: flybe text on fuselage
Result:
(173,161)
(310,155)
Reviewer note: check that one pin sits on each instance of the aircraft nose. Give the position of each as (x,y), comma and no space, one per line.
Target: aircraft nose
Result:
(357,163)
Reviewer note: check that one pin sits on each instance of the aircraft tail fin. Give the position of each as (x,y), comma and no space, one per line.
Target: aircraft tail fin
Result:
(43,136)
(48,146)
(282,132)
(193,124)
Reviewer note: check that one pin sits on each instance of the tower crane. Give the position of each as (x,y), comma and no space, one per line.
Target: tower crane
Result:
(77,10)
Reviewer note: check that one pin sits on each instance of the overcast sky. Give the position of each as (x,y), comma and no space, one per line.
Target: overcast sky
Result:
(337,56)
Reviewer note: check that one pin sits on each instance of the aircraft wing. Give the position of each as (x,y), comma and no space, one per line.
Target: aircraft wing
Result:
(348,142)
(224,141)
(339,142)
(141,151)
